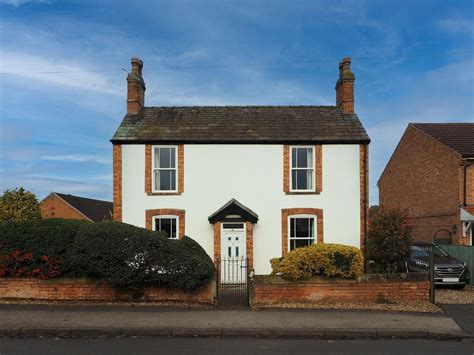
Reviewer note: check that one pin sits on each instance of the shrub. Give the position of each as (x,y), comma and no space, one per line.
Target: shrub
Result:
(389,238)
(130,257)
(46,242)
(19,205)
(329,260)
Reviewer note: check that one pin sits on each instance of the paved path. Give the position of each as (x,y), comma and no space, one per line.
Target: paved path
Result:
(102,320)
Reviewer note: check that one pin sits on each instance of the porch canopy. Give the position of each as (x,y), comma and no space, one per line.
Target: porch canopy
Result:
(233,211)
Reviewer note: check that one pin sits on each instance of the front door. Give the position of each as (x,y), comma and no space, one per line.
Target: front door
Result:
(233,253)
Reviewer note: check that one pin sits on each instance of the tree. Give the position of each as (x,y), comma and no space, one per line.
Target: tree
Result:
(19,205)
(389,238)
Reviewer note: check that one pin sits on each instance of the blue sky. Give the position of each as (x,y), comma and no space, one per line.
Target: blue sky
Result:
(55,127)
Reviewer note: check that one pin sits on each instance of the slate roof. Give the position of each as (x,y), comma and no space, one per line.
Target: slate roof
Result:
(234,207)
(457,136)
(95,210)
(241,124)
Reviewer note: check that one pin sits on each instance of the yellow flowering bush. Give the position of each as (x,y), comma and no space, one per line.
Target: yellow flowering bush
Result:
(329,260)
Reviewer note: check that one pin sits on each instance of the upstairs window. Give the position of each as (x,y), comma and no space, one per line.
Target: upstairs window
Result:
(302,169)
(165,172)
(168,224)
(302,232)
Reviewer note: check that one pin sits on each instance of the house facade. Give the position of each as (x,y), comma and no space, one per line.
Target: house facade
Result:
(244,181)
(431,176)
(58,205)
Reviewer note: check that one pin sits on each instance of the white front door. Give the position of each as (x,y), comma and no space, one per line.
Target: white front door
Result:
(233,253)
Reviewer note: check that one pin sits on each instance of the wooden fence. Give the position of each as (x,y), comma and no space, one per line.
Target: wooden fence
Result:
(463,253)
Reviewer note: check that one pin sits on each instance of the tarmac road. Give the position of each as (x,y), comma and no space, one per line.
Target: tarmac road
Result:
(117,346)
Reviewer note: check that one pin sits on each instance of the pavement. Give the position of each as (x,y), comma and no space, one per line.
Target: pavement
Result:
(95,321)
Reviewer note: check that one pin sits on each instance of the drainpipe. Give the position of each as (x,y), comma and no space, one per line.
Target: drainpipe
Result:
(365,200)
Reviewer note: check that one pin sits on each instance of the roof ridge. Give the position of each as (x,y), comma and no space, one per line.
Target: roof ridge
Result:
(85,198)
(244,106)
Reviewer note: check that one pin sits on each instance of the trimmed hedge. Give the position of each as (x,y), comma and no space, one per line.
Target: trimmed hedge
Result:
(329,260)
(123,255)
(127,256)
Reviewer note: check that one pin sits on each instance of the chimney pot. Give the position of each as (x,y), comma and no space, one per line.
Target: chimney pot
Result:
(345,86)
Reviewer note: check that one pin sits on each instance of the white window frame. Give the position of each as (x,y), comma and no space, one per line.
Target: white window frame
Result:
(313,168)
(169,217)
(315,229)
(153,168)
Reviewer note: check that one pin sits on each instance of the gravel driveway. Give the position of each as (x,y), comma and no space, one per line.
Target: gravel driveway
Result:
(453,296)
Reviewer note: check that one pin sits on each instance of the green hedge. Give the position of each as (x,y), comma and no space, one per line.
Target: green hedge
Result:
(329,260)
(124,255)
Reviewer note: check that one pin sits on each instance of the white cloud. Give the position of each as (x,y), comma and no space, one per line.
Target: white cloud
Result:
(56,71)
(458,24)
(18,3)
(79,158)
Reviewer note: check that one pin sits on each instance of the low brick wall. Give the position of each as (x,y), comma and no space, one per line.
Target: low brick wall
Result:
(90,290)
(274,290)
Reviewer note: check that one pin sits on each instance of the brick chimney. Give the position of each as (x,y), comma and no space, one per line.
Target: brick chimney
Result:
(345,87)
(135,87)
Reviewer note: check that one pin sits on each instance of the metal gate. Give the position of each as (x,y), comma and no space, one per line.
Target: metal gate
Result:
(232,281)
(422,261)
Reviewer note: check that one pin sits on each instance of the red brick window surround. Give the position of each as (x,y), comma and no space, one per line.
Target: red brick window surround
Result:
(288,212)
(318,167)
(149,172)
(149,214)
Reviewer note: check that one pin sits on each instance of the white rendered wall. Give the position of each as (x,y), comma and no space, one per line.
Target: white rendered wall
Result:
(252,174)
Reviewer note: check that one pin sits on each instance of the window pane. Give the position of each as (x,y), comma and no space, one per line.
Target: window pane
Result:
(173,157)
(166,226)
(164,158)
(310,157)
(165,180)
(302,228)
(156,156)
(309,179)
(301,157)
(156,180)
(301,180)
(311,227)
(294,179)
(293,157)
(298,243)
(292,228)
(173,179)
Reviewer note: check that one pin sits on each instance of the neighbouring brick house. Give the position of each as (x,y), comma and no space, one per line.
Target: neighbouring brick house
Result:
(244,181)
(431,175)
(57,205)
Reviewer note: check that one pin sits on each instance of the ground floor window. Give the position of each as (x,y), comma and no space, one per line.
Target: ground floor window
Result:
(301,231)
(168,224)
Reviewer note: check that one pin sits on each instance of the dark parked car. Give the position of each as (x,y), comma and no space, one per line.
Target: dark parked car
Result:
(447,270)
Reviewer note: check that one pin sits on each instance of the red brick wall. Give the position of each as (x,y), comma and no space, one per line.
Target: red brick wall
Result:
(272,290)
(87,290)
(470,184)
(55,207)
(423,177)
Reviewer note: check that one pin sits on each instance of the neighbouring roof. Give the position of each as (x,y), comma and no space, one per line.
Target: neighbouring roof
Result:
(457,136)
(233,207)
(95,210)
(467,213)
(241,124)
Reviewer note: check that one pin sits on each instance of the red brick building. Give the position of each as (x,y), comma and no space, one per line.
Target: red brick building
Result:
(66,206)
(431,175)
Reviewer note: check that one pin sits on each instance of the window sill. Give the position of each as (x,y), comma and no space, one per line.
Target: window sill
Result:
(164,193)
(303,193)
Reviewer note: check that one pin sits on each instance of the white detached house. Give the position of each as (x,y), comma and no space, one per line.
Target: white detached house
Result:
(244,181)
